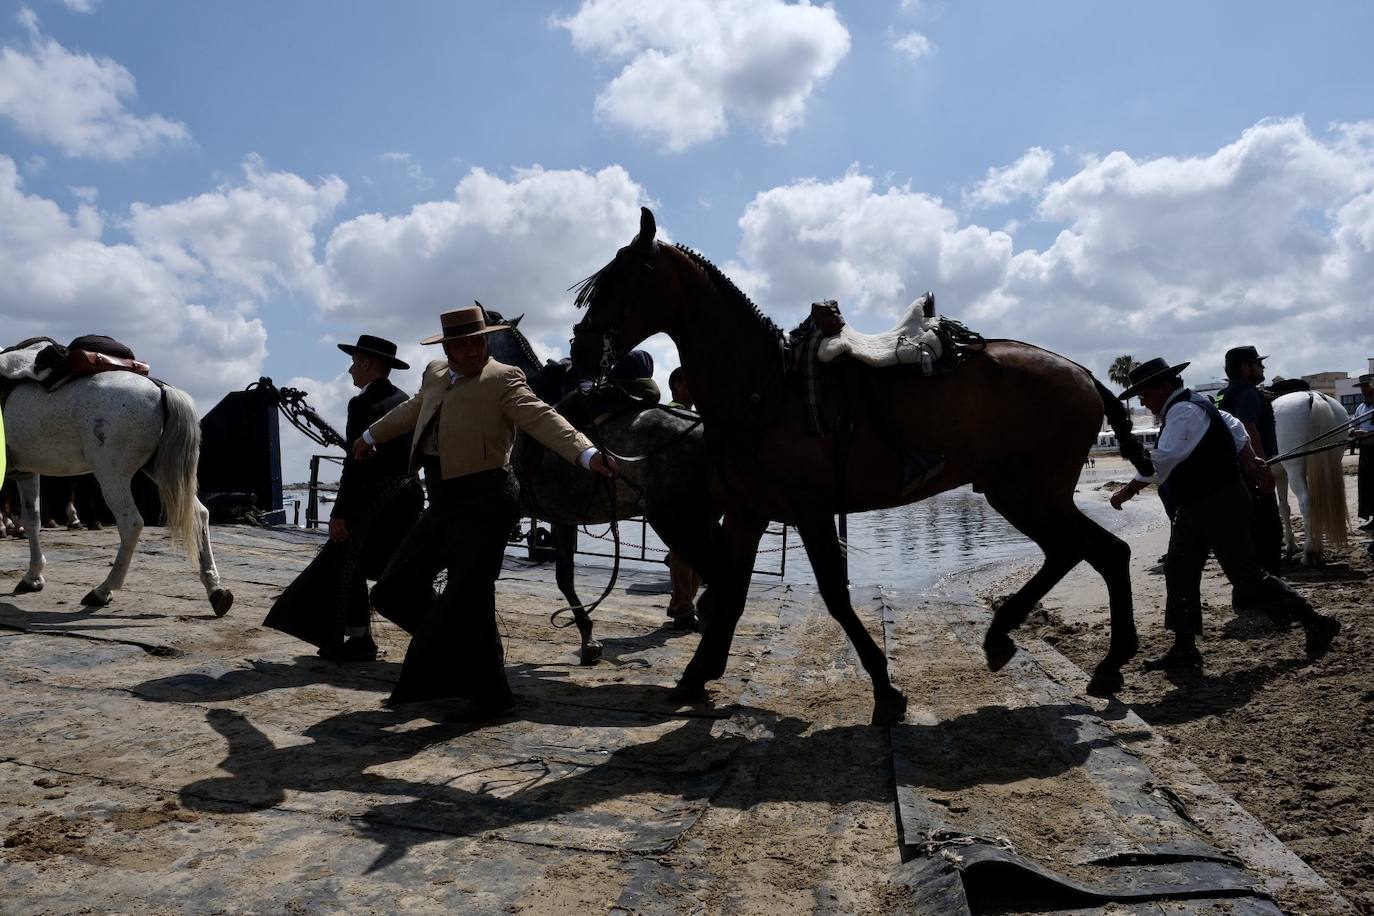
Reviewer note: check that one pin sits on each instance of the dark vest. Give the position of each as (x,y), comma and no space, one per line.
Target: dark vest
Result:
(1212,464)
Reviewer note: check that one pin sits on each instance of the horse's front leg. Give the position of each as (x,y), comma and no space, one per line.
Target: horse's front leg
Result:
(221,599)
(120,499)
(722,606)
(827,561)
(28,508)
(564,549)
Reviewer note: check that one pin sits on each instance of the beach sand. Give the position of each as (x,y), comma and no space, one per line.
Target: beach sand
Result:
(1289,740)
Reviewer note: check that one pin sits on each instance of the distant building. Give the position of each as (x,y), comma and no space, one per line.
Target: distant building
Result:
(1348,393)
(1210,388)
(1325,382)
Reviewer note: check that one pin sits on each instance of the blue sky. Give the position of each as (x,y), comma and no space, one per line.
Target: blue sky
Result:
(234,187)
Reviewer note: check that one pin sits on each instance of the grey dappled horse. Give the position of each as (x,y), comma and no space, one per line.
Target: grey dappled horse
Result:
(669,487)
(114,425)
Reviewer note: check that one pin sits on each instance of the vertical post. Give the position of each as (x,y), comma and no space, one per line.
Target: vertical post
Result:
(782,567)
(297,520)
(844,543)
(312,506)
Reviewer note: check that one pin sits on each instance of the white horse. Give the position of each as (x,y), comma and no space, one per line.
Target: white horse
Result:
(1316,479)
(112,424)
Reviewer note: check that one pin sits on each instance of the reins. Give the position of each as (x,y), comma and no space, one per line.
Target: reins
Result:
(1301,450)
(610,485)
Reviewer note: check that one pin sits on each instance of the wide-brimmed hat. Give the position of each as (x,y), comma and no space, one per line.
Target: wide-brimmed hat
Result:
(464,322)
(376,348)
(1150,371)
(1237,355)
(1366,379)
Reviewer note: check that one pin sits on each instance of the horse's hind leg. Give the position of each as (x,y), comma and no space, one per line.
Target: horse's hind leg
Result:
(115,488)
(28,508)
(1312,541)
(221,599)
(564,547)
(1052,528)
(1111,558)
(827,561)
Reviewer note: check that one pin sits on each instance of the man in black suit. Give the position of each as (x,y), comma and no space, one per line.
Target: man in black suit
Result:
(376,505)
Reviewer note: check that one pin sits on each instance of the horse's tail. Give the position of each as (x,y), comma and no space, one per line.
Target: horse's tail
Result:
(174,468)
(1120,419)
(1328,514)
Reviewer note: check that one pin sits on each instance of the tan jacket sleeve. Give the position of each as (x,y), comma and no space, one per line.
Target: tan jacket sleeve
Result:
(540,420)
(399,421)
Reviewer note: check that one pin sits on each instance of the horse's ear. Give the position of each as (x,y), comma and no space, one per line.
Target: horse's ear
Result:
(515,322)
(647,229)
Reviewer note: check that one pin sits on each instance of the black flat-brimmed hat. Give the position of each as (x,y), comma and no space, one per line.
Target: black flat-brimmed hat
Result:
(465,322)
(1153,370)
(1237,355)
(376,348)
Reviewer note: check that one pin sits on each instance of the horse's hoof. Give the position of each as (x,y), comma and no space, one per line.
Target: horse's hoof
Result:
(685,693)
(1106,682)
(25,587)
(591,653)
(890,708)
(93,599)
(999,649)
(221,599)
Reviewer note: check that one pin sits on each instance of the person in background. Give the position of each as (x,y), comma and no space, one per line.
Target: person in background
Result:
(377,504)
(682,605)
(1362,431)
(1197,456)
(1242,400)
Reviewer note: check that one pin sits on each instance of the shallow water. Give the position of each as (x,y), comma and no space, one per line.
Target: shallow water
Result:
(910,546)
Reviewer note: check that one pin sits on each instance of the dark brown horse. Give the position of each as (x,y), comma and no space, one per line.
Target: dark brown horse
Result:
(1015,421)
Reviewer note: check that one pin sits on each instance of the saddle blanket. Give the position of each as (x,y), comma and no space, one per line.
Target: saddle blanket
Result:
(912,341)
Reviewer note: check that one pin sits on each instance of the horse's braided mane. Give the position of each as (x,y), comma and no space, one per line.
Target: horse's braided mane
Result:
(524,344)
(727,288)
(589,289)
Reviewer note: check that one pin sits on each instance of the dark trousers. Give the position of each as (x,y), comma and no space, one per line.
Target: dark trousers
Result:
(1220,522)
(330,597)
(1266,529)
(1364,482)
(455,648)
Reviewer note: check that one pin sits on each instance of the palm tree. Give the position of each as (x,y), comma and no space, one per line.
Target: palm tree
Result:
(1120,370)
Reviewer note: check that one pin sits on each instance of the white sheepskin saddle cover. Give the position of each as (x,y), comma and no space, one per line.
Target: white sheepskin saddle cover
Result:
(20,364)
(912,341)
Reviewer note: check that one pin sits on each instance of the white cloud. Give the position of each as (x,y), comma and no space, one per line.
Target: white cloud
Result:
(691,66)
(1023,178)
(79,6)
(516,245)
(1269,240)
(245,239)
(77,102)
(414,171)
(873,250)
(913,45)
(182,291)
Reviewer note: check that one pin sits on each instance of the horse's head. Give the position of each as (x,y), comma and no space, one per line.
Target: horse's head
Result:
(511,346)
(626,303)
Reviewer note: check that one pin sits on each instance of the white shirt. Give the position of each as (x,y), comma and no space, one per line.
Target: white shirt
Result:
(1364,418)
(1185,428)
(583,460)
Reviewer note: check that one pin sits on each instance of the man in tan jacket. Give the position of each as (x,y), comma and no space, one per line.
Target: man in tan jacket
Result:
(463,422)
